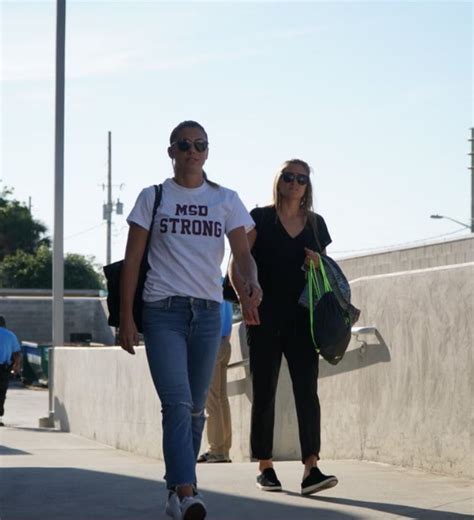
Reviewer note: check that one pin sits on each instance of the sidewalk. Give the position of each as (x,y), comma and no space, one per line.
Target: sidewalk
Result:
(50,475)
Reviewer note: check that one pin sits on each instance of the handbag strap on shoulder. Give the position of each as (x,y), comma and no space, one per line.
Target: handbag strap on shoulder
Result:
(158,196)
(313,222)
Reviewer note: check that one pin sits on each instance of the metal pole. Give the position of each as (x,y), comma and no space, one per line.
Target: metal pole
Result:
(58,245)
(452,220)
(472,179)
(109,204)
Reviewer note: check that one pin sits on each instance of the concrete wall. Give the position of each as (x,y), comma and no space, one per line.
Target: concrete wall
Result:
(403,398)
(31,317)
(407,399)
(448,252)
(106,394)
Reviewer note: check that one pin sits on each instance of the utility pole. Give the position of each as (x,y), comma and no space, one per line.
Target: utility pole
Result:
(110,207)
(109,204)
(472,179)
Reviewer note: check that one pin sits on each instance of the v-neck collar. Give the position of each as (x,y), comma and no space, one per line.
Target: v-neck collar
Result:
(286,231)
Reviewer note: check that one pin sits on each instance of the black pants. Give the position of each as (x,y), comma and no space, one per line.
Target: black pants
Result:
(4,378)
(266,348)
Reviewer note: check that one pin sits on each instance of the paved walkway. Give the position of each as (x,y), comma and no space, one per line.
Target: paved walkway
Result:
(50,475)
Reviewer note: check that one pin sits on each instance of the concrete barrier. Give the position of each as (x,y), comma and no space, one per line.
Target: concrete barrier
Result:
(30,318)
(404,398)
(446,252)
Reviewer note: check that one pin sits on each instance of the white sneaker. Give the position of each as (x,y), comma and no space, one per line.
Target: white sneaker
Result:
(193,508)
(213,457)
(173,506)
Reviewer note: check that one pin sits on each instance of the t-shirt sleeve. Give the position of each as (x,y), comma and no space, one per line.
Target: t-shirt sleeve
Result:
(256,215)
(262,214)
(143,208)
(15,344)
(323,233)
(238,216)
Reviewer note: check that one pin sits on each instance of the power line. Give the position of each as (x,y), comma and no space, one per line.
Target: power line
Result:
(84,231)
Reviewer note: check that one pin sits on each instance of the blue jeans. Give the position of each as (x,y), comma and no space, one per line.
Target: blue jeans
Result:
(182,337)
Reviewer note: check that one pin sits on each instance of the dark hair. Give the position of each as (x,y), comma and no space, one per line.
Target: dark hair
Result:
(2,321)
(192,124)
(186,124)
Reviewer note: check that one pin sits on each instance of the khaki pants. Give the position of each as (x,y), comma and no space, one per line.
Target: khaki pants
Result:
(219,427)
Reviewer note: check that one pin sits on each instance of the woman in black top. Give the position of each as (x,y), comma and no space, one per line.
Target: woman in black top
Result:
(286,237)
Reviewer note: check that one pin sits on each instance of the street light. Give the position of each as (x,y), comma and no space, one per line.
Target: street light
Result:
(452,219)
(58,237)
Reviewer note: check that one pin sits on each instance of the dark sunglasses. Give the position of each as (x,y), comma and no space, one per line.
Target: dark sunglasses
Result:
(301,178)
(200,145)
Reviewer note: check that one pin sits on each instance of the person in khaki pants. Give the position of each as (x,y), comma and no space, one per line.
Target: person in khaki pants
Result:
(219,426)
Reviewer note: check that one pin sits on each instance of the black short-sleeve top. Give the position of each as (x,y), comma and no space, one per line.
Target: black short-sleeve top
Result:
(279,259)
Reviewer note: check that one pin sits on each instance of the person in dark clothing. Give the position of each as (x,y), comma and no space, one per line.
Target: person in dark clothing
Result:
(286,238)
(10,359)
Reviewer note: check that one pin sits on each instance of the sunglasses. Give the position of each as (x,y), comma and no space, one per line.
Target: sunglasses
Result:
(301,178)
(200,145)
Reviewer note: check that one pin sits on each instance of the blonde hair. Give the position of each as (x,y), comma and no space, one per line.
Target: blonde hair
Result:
(307,200)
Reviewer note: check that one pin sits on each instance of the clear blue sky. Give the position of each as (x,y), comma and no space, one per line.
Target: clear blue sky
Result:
(376,96)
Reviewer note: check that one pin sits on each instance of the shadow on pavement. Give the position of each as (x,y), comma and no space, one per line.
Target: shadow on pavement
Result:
(416,513)
(4,450)
(76,494)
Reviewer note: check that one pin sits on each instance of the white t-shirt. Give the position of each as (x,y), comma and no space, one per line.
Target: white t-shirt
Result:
(187,243)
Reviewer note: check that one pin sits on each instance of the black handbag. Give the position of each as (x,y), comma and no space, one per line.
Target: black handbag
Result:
(330,323)
(331,328)
(113,273)
(331,312)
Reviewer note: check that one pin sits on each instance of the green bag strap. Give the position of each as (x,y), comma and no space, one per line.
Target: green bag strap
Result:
(327,285)
(313,285)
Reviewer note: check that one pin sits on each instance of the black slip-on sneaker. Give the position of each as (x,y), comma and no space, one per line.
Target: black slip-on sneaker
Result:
(268,481)
(317,481)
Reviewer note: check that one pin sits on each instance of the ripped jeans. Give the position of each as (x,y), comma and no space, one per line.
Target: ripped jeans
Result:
(182,337)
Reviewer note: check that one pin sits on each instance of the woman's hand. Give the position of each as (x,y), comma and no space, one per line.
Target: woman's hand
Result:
(128,335)
(311,255)
(249,312)
(253,292)
(243,271)
(250,299)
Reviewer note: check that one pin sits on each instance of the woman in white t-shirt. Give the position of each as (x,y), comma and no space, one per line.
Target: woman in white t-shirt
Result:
(182,296)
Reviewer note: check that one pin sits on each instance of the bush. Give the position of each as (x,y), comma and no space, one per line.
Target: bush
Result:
(23,270)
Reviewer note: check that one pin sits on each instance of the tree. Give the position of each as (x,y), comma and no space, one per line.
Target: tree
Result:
(23,270)
(25,255)
(79,273)
(18,229)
